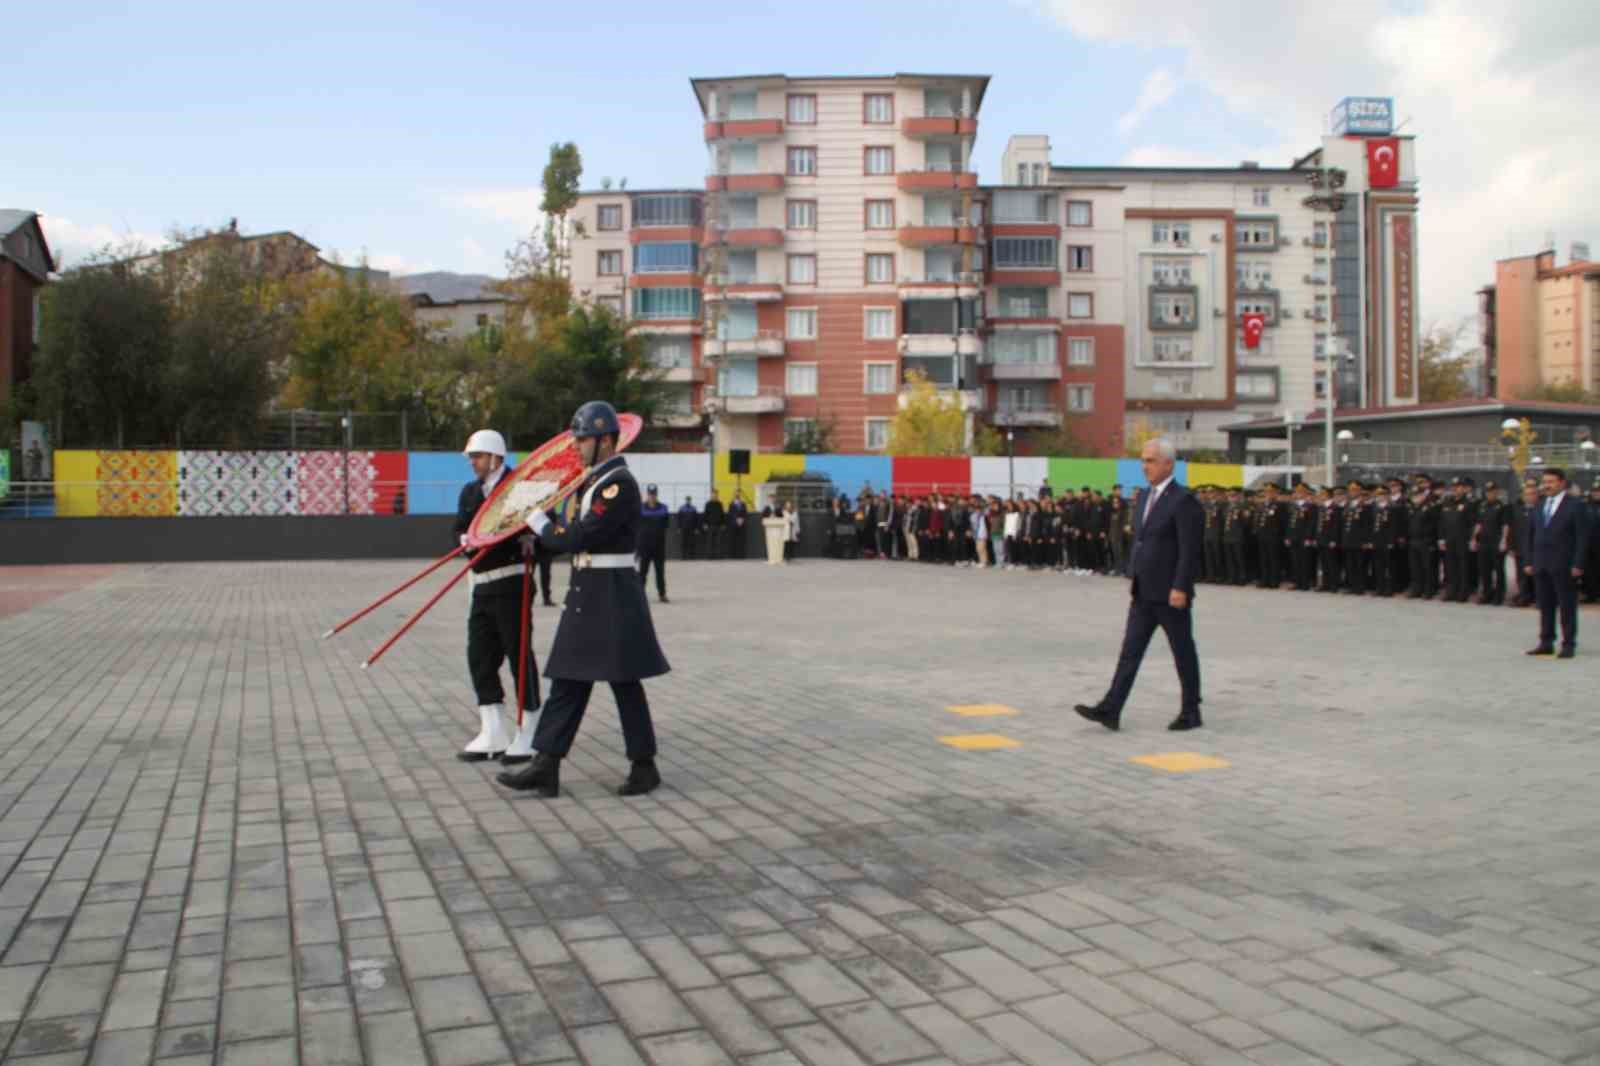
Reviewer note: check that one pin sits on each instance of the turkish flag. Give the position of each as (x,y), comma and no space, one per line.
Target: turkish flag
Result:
(1383,162)
(1254,323)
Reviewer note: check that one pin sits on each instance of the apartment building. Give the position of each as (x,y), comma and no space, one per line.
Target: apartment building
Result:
(1541,325)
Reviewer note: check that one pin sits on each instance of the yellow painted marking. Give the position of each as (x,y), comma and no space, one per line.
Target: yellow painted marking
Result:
(1181,762)
(980,742)
(982,710)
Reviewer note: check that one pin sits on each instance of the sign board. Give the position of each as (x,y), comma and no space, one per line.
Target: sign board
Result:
(1364,116)
(1404,309)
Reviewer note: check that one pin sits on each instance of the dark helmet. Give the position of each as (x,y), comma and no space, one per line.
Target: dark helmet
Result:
(596,419)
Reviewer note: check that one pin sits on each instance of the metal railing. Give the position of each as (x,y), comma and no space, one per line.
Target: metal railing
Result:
(1482,456)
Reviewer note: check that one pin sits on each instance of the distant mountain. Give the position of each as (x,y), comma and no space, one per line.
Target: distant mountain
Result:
(442,286)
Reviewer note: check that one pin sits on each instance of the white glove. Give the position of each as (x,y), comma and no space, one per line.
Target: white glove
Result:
(538,522)
(463,539)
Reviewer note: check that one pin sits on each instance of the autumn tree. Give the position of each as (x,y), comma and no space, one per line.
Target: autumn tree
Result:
(1441,370)
(929,422)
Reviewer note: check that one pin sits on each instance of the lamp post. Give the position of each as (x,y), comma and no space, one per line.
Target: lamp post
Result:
(1344,437)
(1011,465)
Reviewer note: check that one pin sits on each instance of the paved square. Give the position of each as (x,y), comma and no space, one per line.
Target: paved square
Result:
(224,842)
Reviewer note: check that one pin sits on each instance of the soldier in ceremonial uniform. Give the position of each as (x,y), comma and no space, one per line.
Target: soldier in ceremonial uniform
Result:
(1383,534)
(1302,536)
(1356,539)
(1457,519)
(1400,518)
(1234,522)
(494,620)
(1490,540)
(1422,533)
(1330,527)
(605,633)
(1271,529)
(1212,503)
(1591,564)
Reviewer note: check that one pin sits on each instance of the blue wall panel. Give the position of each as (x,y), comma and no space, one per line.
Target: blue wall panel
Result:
(851,473)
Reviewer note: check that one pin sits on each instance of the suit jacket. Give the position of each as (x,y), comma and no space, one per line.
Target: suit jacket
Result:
(1558,544)
(1166,546)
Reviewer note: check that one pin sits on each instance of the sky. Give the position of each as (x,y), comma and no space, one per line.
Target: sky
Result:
(414,134)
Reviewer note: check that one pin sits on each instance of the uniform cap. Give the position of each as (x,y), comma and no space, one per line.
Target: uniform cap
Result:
(651,489)
(486,440)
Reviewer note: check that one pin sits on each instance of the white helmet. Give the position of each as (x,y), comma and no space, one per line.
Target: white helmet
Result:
(486,440)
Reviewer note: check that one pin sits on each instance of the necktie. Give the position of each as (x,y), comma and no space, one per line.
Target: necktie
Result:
(1151,506)
(1549,510)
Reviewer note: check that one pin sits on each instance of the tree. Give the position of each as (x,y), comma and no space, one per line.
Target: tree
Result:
(1138,433)
(562,175)
(105,340)
(1519,441)
(929,422)
(1069,441)
(811,437)
(1441,372)
(1564,392)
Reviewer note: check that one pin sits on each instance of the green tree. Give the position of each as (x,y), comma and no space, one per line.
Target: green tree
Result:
(1441,369)
(1071,440)
(812,437)
(1565,392)
(561,179)
(105,344)
(929,422)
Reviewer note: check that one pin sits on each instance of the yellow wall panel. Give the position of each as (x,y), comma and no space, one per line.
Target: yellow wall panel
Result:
(76,492)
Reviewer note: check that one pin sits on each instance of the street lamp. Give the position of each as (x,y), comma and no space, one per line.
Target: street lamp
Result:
(1586,449)
(1011,465)
(1344,437)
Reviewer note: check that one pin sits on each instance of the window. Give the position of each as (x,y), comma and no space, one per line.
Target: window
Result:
(741,268)
(798,429)
(802,323)
(1169,233)
(665,210)
(880,379)
(742,106)
(802,214)
(1038,173)
(1256,233)
(1253,273)
(743,159)
(939,264)
(942,316)
(482,321)
(739,212)
(737,323)
(1321,387)
(610,263)
(879,108)
(1022,398)
(1261,197)
(1023,303)
(880,268)
(802,162)
(1172,309)
(1022,173)
(609,216)
(666,303)
(880,214)
(1172,350)
(1180,233)
(1167,273)
(1080,351)
(610,303)
(676,402)
(880,161)
(1080,213)
(663,257)
(1256,386)
(1080,258)
(939,103)
(1256,305)
(669,353)
(880,323)
(1080,305)
(1026,253)
(1172,385)
(877,434)
(738,377)
(1319,234)
(1021,348)
(1080,398)
(802,109)
(941,156)
(801,379)
(1011,205)
(802,270)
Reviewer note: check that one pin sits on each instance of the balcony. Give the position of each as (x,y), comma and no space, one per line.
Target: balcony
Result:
(941,179)
(1032,415)
(921,127)
(745,182)
(926,236)
(917,344)
(1011,369)
(745,236)
(744,129)
(940,286)
(748,288)
(766,344)
(680,375)
(763,400)
(640,234)
(678,418)
(970,399)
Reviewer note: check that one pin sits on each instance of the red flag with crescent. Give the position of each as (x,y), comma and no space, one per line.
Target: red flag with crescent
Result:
(1383,162)
(1254,323)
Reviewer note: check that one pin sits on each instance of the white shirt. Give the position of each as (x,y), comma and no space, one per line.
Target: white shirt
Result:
(1155,494)
(493,479)
(1550,506)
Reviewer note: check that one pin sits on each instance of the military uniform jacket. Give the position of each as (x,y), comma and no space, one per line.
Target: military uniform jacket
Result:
(1456,521)
(1213,531)
(1307,516)
(1424,524)
(605,632)
(1357,525)
(1269,522)
(1384,529)
(1234,521)
(1492,516)
(502,555)
(1330,525)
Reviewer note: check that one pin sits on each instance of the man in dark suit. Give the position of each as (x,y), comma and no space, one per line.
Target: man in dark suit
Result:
(1557,531)
(1168,526)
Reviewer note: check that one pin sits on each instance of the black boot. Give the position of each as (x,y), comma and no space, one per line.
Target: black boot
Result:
(1188,718)
(642,777)
(542,776)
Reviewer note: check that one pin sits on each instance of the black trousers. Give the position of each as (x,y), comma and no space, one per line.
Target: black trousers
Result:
(1456,582)
(543,566)
(563,714)
(1383,570)
(1211,551)
(686,539)
(1557,592)
(736,534)
(1424,576)
(1237,574)
(1332,568)
(1271,563)
(657,557)
(1492,576)
(713,535)
(494,634)
(1525,583)
(1305,567)
(1144,618)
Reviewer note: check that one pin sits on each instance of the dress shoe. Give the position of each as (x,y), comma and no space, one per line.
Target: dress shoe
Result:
(1542,651)
(542,776)
(665,600)
(1099,714)
(548,602)
(1186,720)
(642,777)
(1567,653)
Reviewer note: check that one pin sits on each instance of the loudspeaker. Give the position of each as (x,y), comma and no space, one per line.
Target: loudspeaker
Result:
(739,461)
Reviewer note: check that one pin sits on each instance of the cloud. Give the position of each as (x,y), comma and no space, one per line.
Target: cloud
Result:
(72,242)
(1504,140)
(1159,87)
(518,207)
(393,263)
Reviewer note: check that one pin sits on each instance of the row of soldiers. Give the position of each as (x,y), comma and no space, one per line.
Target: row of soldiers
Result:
(1386,539)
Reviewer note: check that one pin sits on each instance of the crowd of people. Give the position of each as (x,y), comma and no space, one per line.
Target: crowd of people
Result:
(1419,538)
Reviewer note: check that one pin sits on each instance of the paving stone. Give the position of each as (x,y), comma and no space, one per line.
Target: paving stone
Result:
(450,1003)
(685,1049)
(607,1044)
(817,981)
(736,1027)
(394,1039)
(997,974)
(1092,1033)
(68,990)
(135,1001)
(648,1007)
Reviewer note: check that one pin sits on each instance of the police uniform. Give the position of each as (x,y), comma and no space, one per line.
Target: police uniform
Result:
(495,623)
(605,632)
(1493,516)
(1457,519)
(653,521)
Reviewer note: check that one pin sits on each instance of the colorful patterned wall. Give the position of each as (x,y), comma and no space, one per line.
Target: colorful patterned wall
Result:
(167,483)
(5,474)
